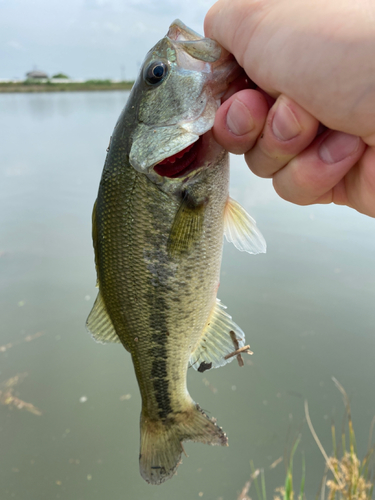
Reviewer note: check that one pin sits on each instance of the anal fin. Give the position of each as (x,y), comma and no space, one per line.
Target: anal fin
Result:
(220,339)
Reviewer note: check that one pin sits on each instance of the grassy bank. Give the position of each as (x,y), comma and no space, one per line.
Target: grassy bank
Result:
(344,475)
(90,85)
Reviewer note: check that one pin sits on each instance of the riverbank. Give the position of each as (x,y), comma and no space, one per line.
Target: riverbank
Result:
(91,85)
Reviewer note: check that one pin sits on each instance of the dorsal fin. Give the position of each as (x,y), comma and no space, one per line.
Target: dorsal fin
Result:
(220,337)
(241,229)
(99,323)
(94,242)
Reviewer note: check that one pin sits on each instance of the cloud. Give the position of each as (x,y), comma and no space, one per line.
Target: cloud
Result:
(14,44)
(96,4)
(88,38)
(113,28)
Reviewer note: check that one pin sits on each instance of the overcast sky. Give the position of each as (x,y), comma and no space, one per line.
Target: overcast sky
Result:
(87,38)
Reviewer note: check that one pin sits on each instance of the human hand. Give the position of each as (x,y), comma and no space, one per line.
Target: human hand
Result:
(315,58)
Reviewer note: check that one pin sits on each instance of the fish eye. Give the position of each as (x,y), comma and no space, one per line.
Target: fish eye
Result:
(156,72)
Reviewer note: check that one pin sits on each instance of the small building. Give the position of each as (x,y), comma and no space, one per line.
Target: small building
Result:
(36,75)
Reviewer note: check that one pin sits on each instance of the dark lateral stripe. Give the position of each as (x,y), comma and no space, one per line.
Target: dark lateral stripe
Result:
(159,339)
(161,384)
(157,291)
(163,400)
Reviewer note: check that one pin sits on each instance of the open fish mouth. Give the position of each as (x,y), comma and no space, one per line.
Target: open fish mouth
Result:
(181,163)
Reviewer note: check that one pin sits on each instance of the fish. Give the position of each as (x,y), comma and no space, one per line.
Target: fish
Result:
(162,209)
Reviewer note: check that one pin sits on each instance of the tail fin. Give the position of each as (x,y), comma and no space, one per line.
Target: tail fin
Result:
(161,441)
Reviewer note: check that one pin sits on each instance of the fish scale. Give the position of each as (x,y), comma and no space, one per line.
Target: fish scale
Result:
(151,301)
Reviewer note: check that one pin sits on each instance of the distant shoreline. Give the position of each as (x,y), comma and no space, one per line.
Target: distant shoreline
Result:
(18,87)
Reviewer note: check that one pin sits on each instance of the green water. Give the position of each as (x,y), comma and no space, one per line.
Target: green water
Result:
(307,308)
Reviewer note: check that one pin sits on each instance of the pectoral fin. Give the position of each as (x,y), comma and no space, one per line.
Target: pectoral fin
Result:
(221,338)
(187,226)
(99,323)
(241,230)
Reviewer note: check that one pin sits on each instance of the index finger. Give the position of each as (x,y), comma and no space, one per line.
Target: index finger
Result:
(232,24)
(222,24)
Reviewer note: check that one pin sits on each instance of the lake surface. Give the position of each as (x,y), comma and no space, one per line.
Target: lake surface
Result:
(307,308)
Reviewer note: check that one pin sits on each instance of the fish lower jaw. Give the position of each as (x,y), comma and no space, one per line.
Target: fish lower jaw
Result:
(201,155)
(180,163)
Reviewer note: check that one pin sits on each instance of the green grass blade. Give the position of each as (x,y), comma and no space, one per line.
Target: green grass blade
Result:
(255,479)
(302,489)
(343,443)
(289,476)
(333,431)
(288,486)
(263,484)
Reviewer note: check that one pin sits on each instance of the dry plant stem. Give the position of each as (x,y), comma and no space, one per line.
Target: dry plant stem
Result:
(240,360)
(245,348)
(342,390)
(320,446)
(7,397)
(183,450)
(276,462)
(244,492)
(323,490)
(236,346)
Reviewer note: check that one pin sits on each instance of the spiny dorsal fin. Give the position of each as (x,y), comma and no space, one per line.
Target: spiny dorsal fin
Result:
(99,324)
(187,226)
(241,230)
(220,337)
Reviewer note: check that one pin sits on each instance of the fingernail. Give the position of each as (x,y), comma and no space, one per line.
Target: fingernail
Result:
(285,125)
(239,119)
(337,146)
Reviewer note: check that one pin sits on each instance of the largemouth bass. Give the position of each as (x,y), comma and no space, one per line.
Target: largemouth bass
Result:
(158,225)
